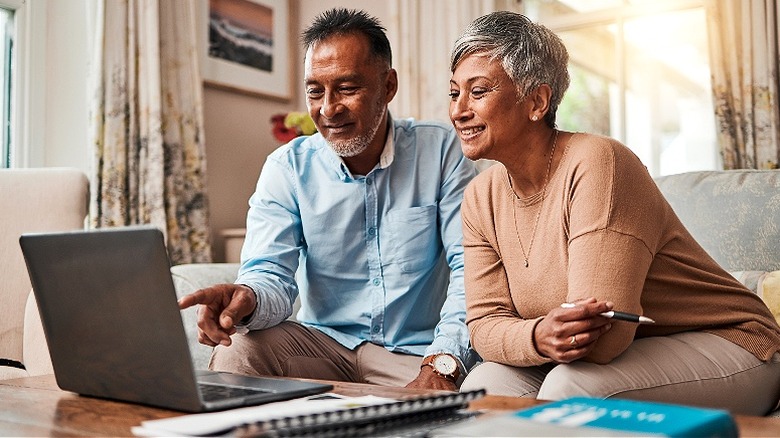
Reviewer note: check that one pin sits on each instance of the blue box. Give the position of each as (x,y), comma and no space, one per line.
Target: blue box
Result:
(584,416)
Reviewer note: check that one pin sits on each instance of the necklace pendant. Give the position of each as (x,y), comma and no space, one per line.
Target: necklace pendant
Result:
(539,212)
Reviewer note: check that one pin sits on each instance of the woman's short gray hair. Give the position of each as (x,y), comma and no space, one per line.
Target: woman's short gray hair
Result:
(530,53)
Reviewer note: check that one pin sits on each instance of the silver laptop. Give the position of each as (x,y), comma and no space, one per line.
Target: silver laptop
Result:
(114,329)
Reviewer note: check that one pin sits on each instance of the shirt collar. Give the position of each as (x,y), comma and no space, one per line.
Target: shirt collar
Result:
(388,153)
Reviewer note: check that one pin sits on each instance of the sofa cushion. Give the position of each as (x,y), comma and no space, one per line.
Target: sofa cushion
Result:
(187,279)
(731,213)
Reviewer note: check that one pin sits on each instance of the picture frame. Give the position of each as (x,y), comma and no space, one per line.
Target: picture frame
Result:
(245,46)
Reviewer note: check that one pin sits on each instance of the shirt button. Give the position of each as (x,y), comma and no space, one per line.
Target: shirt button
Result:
(376,329)
(371,231)
(369,181)
(377,282)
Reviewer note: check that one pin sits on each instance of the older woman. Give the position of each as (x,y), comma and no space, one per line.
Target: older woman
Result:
(569,226)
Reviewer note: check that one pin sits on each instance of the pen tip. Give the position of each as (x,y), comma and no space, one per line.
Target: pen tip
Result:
(646,320)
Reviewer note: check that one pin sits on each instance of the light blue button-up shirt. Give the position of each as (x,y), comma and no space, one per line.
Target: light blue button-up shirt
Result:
(371,251)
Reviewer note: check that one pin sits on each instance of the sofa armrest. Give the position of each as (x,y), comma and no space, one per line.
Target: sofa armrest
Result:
(36,351)
(189,278)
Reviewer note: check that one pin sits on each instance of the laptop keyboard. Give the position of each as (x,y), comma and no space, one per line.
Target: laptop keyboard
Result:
(210,392)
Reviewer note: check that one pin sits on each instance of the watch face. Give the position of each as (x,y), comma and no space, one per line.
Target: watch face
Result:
(445,364)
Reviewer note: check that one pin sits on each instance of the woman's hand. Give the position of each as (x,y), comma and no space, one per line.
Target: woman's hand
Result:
(569,333)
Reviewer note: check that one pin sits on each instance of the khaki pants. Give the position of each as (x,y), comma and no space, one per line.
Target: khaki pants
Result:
(693,368)
(293,350)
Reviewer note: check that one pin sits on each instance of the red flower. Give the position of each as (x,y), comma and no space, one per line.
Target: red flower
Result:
(281,132)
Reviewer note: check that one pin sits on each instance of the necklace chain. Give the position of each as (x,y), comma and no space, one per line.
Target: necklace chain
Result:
(541,205)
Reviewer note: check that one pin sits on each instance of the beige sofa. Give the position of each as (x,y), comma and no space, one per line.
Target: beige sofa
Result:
(735,215)
(31,200)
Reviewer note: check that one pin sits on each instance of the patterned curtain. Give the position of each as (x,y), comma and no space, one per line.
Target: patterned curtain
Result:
(743,38)
(147,124)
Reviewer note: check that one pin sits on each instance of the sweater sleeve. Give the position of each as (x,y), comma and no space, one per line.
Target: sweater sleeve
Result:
(616,220)
(498,332)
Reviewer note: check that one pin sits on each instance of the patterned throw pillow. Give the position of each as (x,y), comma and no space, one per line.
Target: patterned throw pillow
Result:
(765,284)
(769,291)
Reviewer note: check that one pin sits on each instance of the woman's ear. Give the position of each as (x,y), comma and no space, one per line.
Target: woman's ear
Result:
(541,101)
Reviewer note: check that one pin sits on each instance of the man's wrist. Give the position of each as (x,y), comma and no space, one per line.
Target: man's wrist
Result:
(248,318)
(444,365)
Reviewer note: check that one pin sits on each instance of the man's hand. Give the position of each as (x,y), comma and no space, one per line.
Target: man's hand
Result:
(428,379)
(223,306)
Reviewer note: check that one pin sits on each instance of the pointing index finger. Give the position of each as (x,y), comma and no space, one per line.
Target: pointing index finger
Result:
(197,297)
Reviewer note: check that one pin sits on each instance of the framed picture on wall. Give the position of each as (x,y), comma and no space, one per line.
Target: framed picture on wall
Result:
(245,46)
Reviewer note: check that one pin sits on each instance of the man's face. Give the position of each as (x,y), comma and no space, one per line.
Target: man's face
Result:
(347,92)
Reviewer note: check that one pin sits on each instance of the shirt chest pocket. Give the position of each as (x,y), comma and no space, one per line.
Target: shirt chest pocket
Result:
(414,237)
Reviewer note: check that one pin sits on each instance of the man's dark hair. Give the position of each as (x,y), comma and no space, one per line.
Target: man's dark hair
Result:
(341,21)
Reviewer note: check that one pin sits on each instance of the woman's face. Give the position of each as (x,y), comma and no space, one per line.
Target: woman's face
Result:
(484,109)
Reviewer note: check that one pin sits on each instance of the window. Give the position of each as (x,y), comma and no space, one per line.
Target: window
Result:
(6,62)
(639,73)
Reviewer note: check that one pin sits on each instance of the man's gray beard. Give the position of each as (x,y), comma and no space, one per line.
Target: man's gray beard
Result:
(356,146)
(351,147)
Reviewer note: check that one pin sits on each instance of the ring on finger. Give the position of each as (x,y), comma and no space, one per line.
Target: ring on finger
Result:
(573,340)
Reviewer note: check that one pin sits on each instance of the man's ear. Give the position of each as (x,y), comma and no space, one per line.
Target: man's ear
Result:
(391,85)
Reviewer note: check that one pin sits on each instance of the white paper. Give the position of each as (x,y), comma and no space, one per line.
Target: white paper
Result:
(223,421)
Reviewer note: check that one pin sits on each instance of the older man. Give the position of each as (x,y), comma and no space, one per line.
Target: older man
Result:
(367,211)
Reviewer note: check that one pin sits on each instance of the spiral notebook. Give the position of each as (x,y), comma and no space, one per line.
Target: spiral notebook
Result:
(414,415)
(325,415)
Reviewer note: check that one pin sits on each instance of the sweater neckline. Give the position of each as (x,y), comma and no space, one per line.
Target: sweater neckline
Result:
(535,198)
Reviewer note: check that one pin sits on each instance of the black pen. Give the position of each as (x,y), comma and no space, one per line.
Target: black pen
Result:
(622,316)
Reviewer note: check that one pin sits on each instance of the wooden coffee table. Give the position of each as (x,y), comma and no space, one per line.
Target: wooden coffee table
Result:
(35,406)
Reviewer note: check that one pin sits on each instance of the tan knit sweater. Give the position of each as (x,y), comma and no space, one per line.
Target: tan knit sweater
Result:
(605,231)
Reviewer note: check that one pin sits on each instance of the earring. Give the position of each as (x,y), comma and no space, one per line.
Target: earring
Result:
(534,117)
